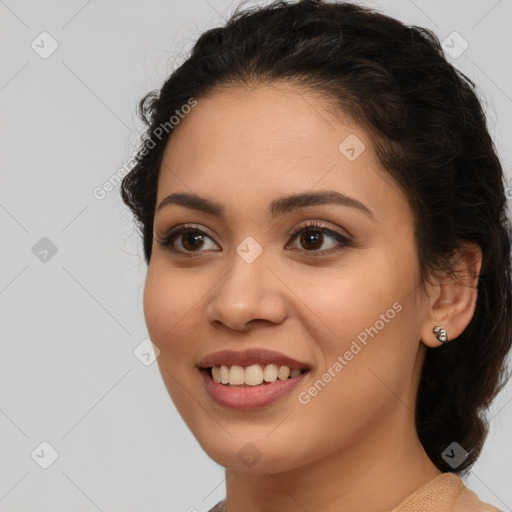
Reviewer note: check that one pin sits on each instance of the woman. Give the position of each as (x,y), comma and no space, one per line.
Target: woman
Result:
(324,222)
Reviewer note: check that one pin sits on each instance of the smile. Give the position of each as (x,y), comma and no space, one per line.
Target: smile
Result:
(246,397)
(250,378)
(253,375)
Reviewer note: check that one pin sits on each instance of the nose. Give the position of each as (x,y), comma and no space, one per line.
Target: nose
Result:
(248,293)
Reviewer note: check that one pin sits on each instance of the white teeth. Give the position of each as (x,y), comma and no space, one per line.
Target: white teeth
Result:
(216,373)
(236,375)
(252,375)
(283,372)
(270,373)
(224,374)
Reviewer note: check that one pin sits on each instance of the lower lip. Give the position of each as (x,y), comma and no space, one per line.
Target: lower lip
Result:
(248,397)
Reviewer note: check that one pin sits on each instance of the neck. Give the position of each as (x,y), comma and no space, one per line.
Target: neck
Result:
(374,474)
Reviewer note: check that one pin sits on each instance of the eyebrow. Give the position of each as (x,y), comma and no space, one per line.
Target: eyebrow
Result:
(278,207)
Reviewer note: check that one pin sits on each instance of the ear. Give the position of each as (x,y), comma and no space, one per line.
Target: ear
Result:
(452,297)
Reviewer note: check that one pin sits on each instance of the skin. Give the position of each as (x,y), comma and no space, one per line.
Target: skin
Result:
(244,148)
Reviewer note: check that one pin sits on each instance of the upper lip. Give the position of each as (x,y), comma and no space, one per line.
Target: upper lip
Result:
(249,357)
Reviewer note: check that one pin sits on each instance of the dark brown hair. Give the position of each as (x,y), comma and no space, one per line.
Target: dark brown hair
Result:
(430,134)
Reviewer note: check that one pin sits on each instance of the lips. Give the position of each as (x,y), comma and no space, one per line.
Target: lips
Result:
(250,398)
(249,357)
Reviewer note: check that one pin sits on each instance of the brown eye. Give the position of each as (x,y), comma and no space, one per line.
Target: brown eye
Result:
(313,236)
(187,240)
(311,239)
(184,239)
(191,241)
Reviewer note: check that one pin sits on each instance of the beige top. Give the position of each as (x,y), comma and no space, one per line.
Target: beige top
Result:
(444,493)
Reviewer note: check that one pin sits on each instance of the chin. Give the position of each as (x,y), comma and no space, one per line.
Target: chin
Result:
(254,457)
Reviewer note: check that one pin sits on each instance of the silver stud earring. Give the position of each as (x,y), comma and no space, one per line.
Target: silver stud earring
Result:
(441,334)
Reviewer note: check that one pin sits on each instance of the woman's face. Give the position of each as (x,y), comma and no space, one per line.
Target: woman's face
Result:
(341,298)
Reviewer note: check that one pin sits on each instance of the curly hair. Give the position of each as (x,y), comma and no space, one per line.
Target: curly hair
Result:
(430,134)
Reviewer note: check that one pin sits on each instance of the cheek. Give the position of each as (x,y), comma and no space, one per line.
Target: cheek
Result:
(368,364)
(368,317)
(360,299)
(169,309)
(169,315)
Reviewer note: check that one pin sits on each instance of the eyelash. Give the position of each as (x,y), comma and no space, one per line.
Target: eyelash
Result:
(169,238)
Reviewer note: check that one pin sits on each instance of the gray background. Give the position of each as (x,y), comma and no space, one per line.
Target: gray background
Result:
(70,321)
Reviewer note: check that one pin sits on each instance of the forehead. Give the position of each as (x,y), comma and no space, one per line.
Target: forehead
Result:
(254,142)
(267,119)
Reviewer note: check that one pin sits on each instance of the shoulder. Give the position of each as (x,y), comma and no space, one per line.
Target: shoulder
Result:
(444,493)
